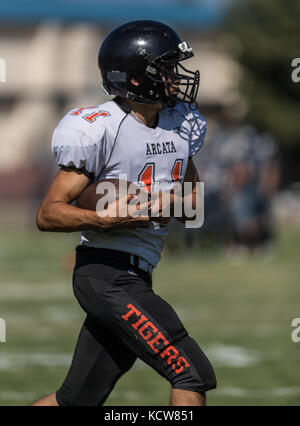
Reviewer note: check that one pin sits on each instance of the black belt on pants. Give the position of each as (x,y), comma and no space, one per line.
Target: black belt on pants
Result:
(119,256)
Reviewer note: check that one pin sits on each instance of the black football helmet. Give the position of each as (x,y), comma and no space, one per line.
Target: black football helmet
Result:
(150,53)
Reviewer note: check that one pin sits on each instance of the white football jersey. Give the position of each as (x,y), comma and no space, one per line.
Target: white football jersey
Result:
(106,141)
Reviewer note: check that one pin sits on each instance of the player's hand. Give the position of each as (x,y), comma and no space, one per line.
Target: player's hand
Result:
(124,213)
(161,206)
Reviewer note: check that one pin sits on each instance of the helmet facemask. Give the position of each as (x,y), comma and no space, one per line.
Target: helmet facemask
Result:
(167,70)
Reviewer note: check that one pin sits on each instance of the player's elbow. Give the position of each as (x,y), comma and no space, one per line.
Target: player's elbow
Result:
(42,221)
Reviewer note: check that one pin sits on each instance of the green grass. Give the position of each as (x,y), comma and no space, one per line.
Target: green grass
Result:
(239,311)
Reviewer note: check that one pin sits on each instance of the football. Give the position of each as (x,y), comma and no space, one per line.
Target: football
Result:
(89,197)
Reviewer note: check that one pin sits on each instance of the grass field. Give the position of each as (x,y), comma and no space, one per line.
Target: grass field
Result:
(240,312)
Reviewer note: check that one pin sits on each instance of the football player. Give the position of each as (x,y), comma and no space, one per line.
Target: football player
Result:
(149,132)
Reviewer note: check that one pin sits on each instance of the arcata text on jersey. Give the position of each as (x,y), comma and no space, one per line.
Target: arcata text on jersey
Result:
(159,148)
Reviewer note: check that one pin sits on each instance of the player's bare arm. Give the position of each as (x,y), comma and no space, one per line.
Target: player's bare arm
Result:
(56,214)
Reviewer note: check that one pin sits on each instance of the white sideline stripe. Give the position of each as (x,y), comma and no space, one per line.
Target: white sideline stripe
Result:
(233,356)
(27,291)
(286,391)
(132,395)
(224,356)
(42,317)
(259,393)
(220,355)
(12,361)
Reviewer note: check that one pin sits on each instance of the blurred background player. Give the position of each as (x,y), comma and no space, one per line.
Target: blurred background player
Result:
(241,172)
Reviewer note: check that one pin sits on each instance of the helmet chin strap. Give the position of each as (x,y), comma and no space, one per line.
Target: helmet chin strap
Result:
(167,101)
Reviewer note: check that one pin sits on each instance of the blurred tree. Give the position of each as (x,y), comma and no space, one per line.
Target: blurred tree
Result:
(269,33)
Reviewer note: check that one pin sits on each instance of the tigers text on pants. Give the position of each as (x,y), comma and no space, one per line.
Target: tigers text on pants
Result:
(125,320)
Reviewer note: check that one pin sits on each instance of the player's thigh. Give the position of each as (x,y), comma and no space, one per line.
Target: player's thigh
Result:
(99,361)
(147,325)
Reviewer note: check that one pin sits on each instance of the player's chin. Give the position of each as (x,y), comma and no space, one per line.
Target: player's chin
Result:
(173,96)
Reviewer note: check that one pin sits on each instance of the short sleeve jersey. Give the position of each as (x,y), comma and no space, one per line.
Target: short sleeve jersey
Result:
(106,141)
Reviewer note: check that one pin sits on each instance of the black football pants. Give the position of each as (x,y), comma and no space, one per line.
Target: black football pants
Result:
(125,320)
